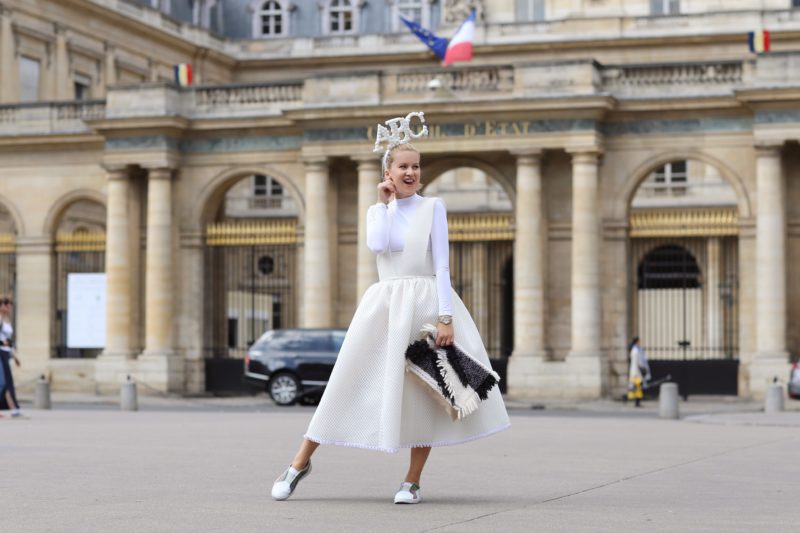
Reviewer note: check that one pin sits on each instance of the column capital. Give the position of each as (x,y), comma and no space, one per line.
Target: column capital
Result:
(585,154)
(768,148)
(531,153)
(117,172)
(159,173)
(315,162)
(368,165)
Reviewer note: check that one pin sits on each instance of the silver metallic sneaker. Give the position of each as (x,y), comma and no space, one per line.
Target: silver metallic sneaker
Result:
(408,493)
(284,486)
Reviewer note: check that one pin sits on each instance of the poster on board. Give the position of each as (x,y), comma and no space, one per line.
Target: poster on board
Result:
(86,310)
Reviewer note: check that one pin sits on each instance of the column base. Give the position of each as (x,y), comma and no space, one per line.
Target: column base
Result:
(161,371)
(764,368)
(582,376)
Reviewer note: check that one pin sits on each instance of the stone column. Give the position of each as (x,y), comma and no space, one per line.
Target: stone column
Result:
(316,254)
(369,175)
(158,266)
(712,281)
(9,81)
(529,245)
(118,271)
(34,305)
(64,89)
(586,313)
(771,358)
(525,367)
(159,365)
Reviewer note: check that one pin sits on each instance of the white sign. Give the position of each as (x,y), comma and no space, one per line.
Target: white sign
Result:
(86,310)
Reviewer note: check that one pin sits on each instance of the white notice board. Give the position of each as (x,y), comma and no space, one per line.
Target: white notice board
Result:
(86,310)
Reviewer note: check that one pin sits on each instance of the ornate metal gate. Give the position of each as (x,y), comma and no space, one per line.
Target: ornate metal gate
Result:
(685,297)
(481,247)
(250,281)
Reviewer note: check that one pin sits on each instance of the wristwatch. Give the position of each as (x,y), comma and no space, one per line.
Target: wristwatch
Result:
(446,319)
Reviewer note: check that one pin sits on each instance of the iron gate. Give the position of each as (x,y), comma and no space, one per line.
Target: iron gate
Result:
(250,283)
(82,252)
(685,310)
(481,269)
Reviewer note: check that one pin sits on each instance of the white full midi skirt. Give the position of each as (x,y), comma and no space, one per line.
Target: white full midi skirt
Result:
(372,402)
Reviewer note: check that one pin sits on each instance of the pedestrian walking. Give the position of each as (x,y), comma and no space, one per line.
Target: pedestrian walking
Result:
(371,402)
(7,353)
(638,373)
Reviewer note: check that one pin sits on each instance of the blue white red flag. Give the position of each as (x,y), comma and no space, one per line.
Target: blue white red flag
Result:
(183,74)
(759,41)
(460,47)
(437,44)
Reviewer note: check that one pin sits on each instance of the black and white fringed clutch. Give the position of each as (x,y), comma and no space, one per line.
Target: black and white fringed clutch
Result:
(455,378)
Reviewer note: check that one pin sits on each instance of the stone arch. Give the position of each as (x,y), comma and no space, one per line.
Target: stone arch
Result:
(623,195)
(431,171)
(16,216)
(57,210)
(210,195)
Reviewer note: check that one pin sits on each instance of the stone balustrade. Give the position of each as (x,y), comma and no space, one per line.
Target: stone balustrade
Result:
(636,80)
(477,79)
(42,118)
(400,86)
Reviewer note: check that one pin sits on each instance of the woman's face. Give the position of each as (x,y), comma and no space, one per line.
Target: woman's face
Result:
(404,173)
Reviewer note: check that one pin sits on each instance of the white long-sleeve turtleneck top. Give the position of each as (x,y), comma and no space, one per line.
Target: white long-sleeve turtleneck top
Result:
(380,238)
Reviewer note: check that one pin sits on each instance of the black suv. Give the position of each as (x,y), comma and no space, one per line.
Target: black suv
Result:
(293,364)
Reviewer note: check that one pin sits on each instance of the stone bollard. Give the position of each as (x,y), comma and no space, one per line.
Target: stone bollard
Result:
(774,399)
(668,401)
(42,399)
(127,396)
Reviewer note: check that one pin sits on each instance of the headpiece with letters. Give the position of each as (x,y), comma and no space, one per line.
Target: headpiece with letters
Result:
(398,132)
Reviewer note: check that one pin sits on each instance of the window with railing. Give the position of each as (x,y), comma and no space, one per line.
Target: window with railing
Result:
(270,20)
(665,7)
(417,10)
(83,87)
(29,72)
(533,10)
(341,17)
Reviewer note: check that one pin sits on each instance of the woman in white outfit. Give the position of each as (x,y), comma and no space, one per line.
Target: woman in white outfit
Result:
(370,401)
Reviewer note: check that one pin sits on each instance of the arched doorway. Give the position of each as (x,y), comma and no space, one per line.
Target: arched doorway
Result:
(480,220)
(251,268)
(80,244)
(684,271)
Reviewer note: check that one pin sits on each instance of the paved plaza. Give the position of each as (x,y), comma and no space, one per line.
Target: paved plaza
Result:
(207,465)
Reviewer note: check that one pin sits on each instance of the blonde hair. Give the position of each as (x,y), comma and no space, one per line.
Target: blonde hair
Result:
(407,147)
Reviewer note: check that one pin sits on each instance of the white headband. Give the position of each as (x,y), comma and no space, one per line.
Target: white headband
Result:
(399,132)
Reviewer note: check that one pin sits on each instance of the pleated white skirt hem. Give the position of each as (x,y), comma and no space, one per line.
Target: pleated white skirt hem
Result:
(437,444)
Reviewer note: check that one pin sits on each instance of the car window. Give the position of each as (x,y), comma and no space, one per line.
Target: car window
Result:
(300,341)
(337,338)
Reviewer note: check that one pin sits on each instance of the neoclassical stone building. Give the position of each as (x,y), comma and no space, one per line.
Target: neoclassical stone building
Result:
(613,168)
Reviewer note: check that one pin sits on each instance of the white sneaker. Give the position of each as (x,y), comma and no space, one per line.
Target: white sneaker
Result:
(284,486)
(408,493)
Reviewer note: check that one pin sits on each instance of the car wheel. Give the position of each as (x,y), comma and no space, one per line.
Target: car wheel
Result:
(284,389)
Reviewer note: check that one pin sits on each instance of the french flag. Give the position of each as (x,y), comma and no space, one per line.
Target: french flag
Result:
(460,46)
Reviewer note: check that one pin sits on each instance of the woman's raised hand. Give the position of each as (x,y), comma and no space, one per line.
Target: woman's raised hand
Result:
(385,190)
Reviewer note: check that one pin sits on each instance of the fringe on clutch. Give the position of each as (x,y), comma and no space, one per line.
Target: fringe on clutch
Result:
(456,379)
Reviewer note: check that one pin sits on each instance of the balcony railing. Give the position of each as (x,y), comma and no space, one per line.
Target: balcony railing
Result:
(49,117)
(634,80)
(401,86)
